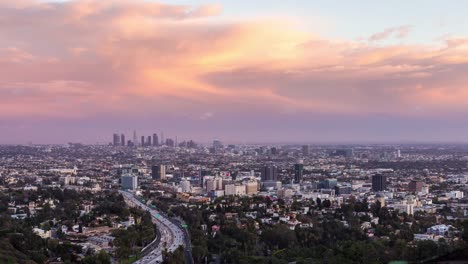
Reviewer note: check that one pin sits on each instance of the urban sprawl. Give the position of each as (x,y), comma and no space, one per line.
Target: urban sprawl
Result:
(156,200)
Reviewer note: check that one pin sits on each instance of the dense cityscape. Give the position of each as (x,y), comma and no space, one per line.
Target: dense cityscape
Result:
(144,201)
(233,132)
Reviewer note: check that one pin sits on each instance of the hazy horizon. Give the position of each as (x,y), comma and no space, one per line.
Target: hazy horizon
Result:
(269,71)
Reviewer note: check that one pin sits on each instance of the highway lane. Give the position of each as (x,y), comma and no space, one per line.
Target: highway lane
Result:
(171,235)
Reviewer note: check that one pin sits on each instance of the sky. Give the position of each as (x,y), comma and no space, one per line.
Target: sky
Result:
(241,71)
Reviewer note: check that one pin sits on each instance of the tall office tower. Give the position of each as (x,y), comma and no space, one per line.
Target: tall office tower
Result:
(415,186)
(148,141)
(305,150)
(116,140)
(158,172)
(270,173)
(217,144)
(135,142)
(170,142)
(162,138)
(349,153)
(142,141)
(122,140)
(155,140)
(273,151)
(379,182)
(298,172)
(129,182)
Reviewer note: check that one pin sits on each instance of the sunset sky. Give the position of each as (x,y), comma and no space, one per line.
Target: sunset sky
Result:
(241,71)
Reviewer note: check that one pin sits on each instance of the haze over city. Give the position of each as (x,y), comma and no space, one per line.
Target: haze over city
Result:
(233,131)
(261,71)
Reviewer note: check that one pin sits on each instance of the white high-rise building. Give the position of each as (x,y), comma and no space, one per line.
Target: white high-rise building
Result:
(185,186)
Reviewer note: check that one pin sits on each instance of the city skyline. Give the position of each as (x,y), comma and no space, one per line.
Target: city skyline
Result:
(227,131)
(312,71)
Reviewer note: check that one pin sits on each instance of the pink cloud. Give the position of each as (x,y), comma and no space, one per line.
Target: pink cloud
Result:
(88,57)
(397,32)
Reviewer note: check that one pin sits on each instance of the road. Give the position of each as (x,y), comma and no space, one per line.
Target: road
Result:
(171,234)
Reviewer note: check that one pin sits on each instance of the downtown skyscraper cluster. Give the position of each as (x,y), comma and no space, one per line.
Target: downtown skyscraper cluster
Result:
(118,140)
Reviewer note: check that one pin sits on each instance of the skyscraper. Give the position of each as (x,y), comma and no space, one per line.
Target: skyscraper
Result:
(122,140)
(135,138)
(158,172)
(269,173)
(142,141)
(170,142)
(298,172)
(155,140)
(148,141)
(217,144)
(116,140)
(305,150)
(379,182)
(273,151)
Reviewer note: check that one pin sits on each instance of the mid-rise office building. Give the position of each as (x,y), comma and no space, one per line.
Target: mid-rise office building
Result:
(379,182)
(158,172)
(234,189)
(415,186)
(298,172)
(269,173)
(251,187)
(328,184)
(129,182)
(185,185)
(214,183)
(343,189)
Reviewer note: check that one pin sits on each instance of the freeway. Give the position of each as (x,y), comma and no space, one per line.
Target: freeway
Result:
(171,235)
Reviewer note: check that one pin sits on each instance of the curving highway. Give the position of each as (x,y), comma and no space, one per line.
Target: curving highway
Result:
(171,235)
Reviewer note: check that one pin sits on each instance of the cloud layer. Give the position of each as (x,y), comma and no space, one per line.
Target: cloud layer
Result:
(92,59)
